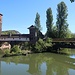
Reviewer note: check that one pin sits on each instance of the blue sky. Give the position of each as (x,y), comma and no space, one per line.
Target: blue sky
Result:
(20,14)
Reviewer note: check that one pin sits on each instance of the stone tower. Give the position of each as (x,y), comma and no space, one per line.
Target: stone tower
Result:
(0,23)
(33,34)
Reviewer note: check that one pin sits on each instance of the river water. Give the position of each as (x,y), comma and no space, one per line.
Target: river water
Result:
(39,64)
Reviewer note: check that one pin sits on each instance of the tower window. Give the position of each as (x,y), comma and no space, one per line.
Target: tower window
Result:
(36,34)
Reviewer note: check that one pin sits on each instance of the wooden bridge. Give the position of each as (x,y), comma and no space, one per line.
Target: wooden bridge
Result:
(8,39)
(66,40)
(12,41)
(63,43)
(23,38)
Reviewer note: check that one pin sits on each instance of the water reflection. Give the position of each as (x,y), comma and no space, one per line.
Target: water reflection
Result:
(38,64)
(72,54)
(13,69)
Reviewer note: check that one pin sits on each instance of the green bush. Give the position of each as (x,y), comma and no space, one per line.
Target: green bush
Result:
(25,46)
(16,49)
(48,42)
(7,52)
(42,46)
(39,45)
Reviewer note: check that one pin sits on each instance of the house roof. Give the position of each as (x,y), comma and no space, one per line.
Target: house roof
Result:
(32,26)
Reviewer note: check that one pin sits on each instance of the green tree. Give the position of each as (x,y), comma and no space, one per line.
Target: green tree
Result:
(55,32)
(61,23)
(48,43)
(73,35)
(49,22)
(39,45)
(72,1)
(37,22)
(68,34)
(42,46)
(38,26)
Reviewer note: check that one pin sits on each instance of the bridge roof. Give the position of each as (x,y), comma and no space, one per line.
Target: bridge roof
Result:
(15,35)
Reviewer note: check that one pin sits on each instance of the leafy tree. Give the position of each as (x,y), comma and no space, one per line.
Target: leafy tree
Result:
(42,46)
(68,34)
(72,1)
(62,20)
(55,32)
(37,21)
(38,26)
(39,45)
(48,43)
(73,35)
(49,22)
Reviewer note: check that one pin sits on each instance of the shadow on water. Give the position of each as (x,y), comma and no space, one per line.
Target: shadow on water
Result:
(42,64)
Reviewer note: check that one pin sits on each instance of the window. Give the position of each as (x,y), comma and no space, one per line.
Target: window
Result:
(35,34)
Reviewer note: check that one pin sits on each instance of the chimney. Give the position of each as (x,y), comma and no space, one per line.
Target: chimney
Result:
(0,23)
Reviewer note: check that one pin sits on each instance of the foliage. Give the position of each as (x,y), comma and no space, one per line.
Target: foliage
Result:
(62,19)
(25,46)
(7,52)
(48,43)
(54,32)
(49,22)
(42,46)
(72,1)
(73,35)
(38,26)
(65,51)
(68,34)
(16,49)
(37,21)
(39,45)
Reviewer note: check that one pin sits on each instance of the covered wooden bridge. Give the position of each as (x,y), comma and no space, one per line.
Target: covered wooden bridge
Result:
(66,40)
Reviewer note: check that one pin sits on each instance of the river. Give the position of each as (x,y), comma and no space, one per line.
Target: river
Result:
(39,64)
